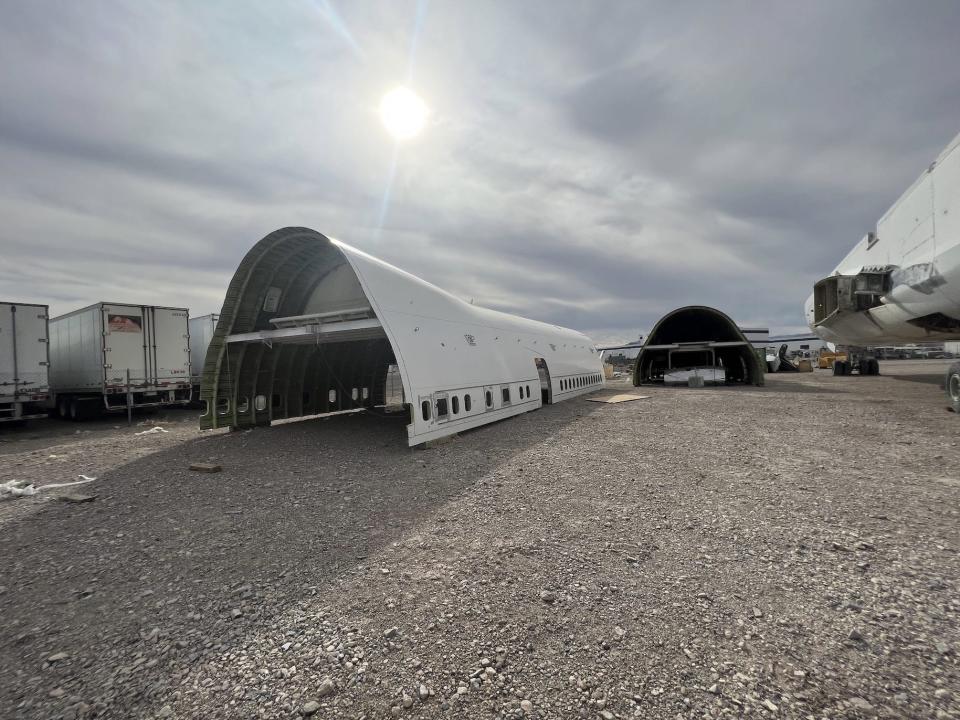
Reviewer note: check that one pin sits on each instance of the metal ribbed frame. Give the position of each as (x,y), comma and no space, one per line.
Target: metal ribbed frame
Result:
(295,379)
(750,359)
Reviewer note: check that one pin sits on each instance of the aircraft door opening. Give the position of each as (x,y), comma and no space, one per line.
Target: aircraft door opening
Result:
(546,389)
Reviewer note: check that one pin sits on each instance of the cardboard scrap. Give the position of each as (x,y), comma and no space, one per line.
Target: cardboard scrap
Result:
(611,399)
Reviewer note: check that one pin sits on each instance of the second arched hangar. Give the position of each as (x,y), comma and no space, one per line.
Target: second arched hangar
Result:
(311,325)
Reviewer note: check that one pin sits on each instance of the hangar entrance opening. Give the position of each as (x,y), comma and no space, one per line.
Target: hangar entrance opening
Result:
(305,341)
(697,340)
(546,390)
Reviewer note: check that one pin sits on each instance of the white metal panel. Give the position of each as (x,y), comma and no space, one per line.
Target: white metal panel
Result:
(170,336)
(946,218)
(201,332)
(76,350)
(125,344)
(23,350)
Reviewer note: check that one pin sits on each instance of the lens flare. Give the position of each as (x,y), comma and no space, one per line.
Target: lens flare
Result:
(403,113)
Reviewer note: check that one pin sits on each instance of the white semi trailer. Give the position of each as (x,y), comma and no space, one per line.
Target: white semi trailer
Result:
(111,356)
(24,361)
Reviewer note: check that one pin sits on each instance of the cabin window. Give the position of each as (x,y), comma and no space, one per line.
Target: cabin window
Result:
(528,391)
(466,403)
(489,399)
(505,394)
(425,409)
(455,405)
(260,403)
(354,394)
(332,397)
(223,406)
(441,407)
(244,405)
(520,390)
(366,393)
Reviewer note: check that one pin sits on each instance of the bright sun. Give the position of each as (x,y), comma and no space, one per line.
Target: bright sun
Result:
(403,113)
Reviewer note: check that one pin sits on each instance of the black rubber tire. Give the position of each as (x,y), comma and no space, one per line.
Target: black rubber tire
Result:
(76,410)
(63,407)
(952,386)
(839,367)
(874,366)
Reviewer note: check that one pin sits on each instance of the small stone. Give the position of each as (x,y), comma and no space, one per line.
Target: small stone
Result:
(326,687)
(423,691)
(619,632)
(309,708)
(395,710)
(942,694)
(406,701)
(76,498)
(714,689)
(236,612)
(390,633)
(165,712)
(606,715)
(57,657)
(548,596)
(57,692)
(769,705)
(526,706)
(856,636)
(484,662)
(206,467)
(462,690)
(860,704)
(757,613)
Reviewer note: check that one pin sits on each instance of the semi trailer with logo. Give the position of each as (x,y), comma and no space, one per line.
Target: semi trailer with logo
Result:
(24,361)
(111,356)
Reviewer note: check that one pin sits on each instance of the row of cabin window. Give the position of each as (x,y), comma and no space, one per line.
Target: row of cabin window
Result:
(467,402)
(579,382)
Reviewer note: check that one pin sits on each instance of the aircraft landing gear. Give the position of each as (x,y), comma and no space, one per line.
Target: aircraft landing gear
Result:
(953,386)
(865,365)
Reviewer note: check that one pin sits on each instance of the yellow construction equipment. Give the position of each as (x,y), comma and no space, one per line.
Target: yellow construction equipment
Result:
(828,358)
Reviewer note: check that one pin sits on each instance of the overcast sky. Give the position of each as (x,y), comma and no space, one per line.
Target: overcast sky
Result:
(591,164)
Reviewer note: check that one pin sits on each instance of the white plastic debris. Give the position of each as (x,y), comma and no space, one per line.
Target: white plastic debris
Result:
(152,431)
(22,488)
(17,488)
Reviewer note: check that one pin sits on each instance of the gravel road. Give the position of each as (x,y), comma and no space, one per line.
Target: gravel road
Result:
(779,552)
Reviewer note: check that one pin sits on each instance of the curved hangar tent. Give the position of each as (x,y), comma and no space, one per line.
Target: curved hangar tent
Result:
(311,325)
(697,340)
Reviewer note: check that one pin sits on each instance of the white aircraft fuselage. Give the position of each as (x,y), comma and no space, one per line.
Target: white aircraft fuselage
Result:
(902,283)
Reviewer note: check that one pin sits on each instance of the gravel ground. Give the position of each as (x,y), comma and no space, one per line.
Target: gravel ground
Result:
(779,552)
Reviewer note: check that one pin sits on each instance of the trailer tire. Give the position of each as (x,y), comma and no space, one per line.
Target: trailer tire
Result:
(63,407)
(76,410)
(839,367)
(952,386)
(874,366)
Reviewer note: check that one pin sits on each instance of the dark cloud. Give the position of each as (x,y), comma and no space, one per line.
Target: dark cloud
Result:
(591,166)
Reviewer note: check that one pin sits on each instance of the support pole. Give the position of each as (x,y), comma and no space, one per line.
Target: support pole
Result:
(129,401)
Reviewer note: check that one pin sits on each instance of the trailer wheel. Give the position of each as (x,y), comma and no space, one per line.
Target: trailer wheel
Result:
(953,386)
(76,410)
(839,367)
(873,366)
(63,406)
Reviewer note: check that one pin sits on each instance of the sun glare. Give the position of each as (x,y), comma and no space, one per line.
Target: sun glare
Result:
(403,113)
